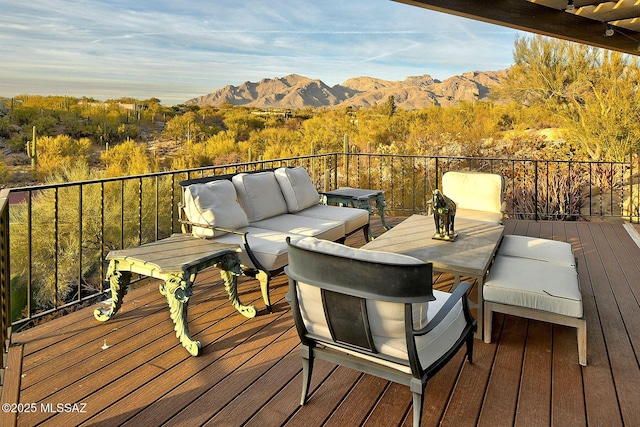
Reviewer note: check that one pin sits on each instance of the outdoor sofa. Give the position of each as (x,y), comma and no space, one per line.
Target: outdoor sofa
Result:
(259,210)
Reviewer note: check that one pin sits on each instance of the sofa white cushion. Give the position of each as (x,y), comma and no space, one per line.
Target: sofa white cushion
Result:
(306,226)
(213,203)
(297,188)
(260,195)
(535,248)
(269,247)
(353,218)
(474,190)
(534,284)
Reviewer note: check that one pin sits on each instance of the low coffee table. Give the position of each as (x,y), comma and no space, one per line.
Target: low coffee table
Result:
(358,198)
(470,255)
(175,260)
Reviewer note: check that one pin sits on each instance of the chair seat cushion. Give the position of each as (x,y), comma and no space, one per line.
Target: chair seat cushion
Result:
(534,284)
(268,246)
(487,216)
(305,226)
(388,331)
(386,318)
(353,218)
(535,248)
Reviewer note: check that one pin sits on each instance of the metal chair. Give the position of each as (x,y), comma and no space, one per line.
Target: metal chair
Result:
(375,312)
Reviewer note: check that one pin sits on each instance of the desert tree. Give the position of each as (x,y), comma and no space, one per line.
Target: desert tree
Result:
(593,93)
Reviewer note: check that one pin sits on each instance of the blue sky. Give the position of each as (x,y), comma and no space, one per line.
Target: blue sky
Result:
(177,50)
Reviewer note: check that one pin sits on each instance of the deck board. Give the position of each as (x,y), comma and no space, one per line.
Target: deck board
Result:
(249,371)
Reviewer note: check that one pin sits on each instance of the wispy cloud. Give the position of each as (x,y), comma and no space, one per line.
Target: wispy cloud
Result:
(178,50)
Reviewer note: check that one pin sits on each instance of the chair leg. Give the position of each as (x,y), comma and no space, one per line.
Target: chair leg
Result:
(264,278)
(417,390)
(470,340)
(488,322)
(307,368)
(367,235)
(582,342)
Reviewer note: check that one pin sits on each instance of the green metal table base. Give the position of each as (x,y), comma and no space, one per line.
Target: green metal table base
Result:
(177,282)
(358,198)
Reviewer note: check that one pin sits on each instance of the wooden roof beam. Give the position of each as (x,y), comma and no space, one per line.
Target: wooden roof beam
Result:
(535,18)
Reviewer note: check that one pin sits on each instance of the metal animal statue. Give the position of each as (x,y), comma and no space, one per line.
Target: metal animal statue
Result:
(444,211)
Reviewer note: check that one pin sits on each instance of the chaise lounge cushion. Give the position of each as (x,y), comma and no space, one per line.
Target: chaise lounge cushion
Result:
(535,284)
(259,195)
(535,248)
(387,318)
(297,188)
(213,203)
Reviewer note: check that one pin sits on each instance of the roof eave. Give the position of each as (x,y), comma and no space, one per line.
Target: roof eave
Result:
(538,19)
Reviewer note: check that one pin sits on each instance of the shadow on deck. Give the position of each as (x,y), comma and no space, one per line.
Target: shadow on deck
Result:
(131,370)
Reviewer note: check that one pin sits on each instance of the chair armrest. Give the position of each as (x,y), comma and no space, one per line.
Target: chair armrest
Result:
(459,293)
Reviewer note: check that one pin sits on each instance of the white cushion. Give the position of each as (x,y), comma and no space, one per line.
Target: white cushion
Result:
(260,195)
(534,284)
(386,318)
(353,218)
(306,226)
(476,215)
(474,190)
(213,203)
(387,326)
(535,248)
(269,247)
(297,188)
(332,248)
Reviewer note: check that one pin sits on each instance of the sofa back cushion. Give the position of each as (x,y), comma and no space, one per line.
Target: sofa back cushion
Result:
(474,190)
(297,188)
(213,203)
(260,195)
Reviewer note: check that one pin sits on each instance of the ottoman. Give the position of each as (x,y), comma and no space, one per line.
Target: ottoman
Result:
(536,279)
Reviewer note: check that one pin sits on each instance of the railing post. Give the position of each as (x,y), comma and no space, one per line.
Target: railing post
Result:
(5,281)
(345,150)
(535,192)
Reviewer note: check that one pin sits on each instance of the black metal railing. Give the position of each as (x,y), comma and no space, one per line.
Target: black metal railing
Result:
(54,238)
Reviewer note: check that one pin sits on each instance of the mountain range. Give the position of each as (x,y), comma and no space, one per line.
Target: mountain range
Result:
(295,91)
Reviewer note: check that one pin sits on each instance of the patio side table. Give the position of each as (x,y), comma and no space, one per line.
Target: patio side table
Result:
(357,198)
(176,261)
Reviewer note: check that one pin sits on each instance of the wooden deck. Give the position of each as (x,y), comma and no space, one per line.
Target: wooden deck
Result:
(132,371)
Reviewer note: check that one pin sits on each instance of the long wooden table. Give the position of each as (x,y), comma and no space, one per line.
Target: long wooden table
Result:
(175,260)
(470,255)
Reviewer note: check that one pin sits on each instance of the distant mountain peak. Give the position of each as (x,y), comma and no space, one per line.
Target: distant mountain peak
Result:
(296,91)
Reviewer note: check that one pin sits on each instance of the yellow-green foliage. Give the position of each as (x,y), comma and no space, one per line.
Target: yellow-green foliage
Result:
(57,234)
(59,153)
(591,92)
(4,172)
(128,158)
